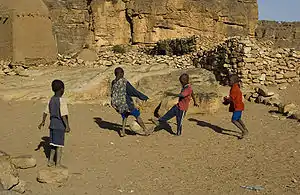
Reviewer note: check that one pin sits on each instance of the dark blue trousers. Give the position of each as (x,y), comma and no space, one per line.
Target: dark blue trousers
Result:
(174,111)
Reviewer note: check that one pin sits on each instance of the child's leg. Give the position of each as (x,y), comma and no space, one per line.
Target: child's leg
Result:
(236,118)
(244,127)
(122,133)
(179,119)
(58,156)
(170,114)
(51,157)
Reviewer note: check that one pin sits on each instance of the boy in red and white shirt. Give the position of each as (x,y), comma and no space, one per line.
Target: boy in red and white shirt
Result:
(179,110)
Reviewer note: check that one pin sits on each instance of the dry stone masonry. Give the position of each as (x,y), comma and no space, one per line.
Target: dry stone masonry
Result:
(255,64)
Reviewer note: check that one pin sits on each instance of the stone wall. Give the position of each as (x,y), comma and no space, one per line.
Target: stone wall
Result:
(27,35)
(283,34)
(111,22)
(254,64)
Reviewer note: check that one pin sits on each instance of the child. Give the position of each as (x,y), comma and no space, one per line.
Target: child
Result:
(58,111)
(236,104)
(179,110)
(121,100)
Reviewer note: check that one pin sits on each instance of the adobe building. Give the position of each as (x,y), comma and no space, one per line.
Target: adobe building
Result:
(26,32)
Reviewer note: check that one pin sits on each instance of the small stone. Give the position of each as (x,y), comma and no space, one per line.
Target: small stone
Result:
(247,50)
(290,74)
(20,187)
(53,175)
(282,86)
(255,95)
(279,76)
(24,162)
(278,55)
(262,77)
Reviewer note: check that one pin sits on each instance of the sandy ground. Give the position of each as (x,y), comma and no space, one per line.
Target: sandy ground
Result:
(201,161)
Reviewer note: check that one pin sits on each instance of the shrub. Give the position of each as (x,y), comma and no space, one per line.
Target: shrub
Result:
(179,46)
(119,49)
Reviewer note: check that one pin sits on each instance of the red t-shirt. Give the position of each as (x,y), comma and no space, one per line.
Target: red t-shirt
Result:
(236,97)
(184,101)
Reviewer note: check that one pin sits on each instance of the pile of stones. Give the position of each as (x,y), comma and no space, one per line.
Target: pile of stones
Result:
(89,58)
(8,68)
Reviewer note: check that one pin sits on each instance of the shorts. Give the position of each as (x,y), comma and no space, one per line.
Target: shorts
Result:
(136,113)
(57,137)
(237,115)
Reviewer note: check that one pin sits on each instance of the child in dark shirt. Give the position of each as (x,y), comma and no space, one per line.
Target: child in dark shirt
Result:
(121,100)
(59,124)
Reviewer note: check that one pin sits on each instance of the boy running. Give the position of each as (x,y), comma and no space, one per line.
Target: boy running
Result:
(236,104)
(59,124)
(179,110)
(121,100)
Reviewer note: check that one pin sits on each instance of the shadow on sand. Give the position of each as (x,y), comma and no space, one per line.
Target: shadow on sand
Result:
(216,129)
(112,126)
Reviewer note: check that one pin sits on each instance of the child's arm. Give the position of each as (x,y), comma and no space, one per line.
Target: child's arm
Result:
(64,113)
(43,120)
(194,99)
(66,121)
(131,91)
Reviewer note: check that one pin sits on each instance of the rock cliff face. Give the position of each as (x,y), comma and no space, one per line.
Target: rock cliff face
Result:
(112,22)
(283,34)
(70,19)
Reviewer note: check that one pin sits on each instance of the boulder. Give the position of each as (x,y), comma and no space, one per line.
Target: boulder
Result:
(203,82)
(263,91)
(53,175)
(134,126)
(24,162)
(8,173)
(290,109)
(20,187)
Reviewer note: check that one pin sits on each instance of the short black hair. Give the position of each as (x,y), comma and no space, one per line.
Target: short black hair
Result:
(185,77)
(57,85)
(119,71)
(234,78)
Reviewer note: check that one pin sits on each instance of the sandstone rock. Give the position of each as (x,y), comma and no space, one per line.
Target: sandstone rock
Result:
(263,91)
(134,126)
(255,95)
(8,174)
(290,75)
(20,187)
(7,192)
(87,55)
(8,181)
(24,162)
(290,109)
(53,175)
(279,76)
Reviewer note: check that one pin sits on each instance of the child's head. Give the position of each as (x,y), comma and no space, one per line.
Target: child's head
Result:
(58,87)
(233,79)
(184,79)
(119,72)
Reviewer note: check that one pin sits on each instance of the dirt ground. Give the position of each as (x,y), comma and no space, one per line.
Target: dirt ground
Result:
(201,161)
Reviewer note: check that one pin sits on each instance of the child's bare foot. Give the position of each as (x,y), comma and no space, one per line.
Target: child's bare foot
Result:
(50,164)
(122,134)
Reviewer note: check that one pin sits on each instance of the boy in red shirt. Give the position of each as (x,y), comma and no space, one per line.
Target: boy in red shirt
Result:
(236,104)
(179,110)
